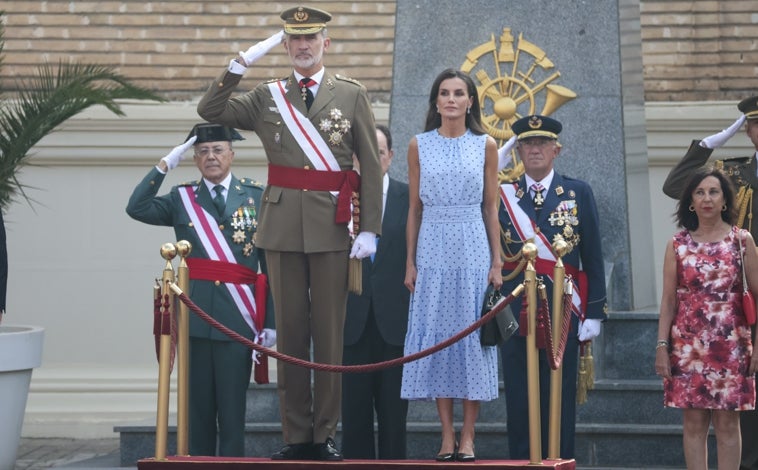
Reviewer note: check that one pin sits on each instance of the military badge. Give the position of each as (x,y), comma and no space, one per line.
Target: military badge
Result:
(238,236)
(247,250)
(335,126)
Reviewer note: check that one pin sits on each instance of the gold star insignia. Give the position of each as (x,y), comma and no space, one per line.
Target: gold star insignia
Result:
(238,236)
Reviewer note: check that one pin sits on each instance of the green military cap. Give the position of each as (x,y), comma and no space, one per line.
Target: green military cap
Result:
(207,132)
(304,20)
(749,107)
(536,126)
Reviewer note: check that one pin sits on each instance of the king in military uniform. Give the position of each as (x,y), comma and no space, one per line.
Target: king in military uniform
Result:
(540,207)
(743,173)
(310,124)
(218,215)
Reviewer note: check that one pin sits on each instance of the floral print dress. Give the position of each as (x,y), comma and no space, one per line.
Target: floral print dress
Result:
(710,339)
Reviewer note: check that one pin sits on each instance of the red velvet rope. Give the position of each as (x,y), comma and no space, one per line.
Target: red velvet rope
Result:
(340,368)
(555,358)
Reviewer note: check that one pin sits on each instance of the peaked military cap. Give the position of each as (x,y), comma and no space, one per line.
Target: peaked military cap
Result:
(749,107)
(536,126)
(207,132)
(304,20)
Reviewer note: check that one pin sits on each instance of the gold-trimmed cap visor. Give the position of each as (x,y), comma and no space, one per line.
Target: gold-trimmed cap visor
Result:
(749,107)
(304,20)
(536,126)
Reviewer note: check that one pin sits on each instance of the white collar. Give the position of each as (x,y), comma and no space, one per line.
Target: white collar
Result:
(545,182)
(226,182)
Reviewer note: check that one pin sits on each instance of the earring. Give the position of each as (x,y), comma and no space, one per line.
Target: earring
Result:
(438,109)
(692,208)
(468,110)
(723,208)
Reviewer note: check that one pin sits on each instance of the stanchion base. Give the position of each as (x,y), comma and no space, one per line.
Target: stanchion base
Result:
(239,463)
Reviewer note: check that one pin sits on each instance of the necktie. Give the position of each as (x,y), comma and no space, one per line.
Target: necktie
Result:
(538,200)
(218,200)
(306,92)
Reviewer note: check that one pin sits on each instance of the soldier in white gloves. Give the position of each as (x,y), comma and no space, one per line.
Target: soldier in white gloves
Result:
(541,206)
(218,215)
(743,172)
(310,123)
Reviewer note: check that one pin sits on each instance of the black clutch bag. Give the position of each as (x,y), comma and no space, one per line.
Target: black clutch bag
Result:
(496,331)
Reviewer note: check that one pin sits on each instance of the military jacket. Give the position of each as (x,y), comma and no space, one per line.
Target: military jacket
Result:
(294,219)
(741,170)
(238,225)
(568,211)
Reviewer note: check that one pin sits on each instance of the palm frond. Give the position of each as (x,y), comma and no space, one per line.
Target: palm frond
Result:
(53,96)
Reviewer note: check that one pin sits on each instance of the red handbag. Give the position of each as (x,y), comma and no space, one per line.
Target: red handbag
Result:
(748,302)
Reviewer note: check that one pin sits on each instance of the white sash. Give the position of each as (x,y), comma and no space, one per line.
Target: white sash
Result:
(525,227)
(218,249)
(304,132)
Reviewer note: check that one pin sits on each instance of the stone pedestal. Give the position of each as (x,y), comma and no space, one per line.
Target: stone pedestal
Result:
(579,62)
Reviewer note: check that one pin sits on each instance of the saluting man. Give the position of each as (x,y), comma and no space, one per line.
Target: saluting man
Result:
(743,171)
(541,207)
(217,214)
(310,124)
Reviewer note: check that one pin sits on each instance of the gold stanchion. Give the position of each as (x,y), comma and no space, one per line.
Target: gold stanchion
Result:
(184,248)
(168,252)
(560,248)
(529,251)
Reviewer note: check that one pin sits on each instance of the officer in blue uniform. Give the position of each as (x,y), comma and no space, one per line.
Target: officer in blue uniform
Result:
(219,369)
(542,206)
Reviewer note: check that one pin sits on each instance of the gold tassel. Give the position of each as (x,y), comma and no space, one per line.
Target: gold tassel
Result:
(586,379)
(355,276)
(581,385)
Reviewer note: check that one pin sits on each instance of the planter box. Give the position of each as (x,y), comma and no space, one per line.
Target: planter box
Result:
(20,352)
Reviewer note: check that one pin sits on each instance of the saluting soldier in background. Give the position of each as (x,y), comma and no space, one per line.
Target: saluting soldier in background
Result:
(310,124)
(217,214)
(743,173)
(540,207)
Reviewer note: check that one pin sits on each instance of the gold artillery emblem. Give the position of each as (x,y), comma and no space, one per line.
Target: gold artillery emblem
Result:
(513,78)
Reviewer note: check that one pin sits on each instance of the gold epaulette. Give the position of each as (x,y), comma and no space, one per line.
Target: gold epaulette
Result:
(252,183)
(190,183)
(347,79)
(272,80)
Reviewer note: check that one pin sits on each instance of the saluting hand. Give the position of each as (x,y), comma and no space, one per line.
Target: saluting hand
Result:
(717,140)
(177,153)
(258,50)
(504,153)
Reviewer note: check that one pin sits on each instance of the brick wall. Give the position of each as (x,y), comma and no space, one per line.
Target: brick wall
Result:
(692,50)
(699,50)
(177,47)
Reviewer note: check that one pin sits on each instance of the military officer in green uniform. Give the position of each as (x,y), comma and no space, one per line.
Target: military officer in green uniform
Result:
(310,124)
(217,214)
(743,171)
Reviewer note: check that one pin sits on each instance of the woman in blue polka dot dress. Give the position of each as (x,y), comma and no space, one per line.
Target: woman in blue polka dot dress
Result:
(453,253)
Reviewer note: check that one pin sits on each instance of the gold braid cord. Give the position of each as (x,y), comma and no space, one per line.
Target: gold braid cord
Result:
(744,201)
(354,267)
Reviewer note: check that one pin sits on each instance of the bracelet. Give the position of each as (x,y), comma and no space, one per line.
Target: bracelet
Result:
(662,343)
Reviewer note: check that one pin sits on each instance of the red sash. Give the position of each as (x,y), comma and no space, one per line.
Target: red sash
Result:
(345,181)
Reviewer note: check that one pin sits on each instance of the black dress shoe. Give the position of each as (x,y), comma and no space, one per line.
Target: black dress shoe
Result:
(326,451)
(302,451)
(449,456)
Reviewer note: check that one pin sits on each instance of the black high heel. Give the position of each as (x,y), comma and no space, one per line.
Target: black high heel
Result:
(449,456)
(461,457)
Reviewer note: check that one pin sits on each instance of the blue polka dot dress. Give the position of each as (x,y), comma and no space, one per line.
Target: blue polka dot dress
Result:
(452,259)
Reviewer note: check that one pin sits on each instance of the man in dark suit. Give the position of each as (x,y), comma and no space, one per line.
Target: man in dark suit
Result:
(217,214)
(310,124)
(375,327)
(742,172)
(540,207)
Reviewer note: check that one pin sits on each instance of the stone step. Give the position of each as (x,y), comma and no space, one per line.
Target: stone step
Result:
(625,348)
(597,445)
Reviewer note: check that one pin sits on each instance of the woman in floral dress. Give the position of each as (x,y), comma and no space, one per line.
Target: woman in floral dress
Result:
(705,353)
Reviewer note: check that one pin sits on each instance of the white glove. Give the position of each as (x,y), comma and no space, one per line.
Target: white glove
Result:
(589,329)
(504,153)
(717,140)
(364,245)
(260,49)
(269,337)
(177,154)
